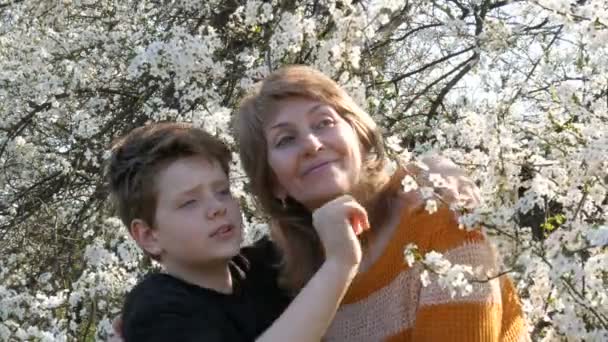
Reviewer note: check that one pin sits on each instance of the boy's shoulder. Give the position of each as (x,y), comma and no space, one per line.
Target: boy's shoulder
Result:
(161,289)
(262,253)
(261,262)
(162,306)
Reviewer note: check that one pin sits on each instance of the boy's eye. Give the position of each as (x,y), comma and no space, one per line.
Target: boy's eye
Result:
(225,192)
(188,203)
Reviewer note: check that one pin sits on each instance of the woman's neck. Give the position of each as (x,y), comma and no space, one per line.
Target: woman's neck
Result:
(376,239)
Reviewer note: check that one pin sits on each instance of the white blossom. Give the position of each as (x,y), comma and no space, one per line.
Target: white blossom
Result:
(431,206)
(409,183)
(427,192)
(512,91)
(409,254)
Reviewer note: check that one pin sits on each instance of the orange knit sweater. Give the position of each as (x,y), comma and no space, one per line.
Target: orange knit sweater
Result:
(389,303)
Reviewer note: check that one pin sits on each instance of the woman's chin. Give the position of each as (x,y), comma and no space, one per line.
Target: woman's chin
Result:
(318,200)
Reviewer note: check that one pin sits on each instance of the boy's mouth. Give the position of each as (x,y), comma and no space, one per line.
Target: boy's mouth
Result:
(223,230)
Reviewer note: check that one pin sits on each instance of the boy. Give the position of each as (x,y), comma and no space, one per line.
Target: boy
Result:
(170,184)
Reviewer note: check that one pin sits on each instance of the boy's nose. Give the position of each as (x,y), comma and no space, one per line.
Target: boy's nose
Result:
(216,208)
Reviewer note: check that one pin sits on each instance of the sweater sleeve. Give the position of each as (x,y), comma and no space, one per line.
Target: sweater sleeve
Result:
(444,316)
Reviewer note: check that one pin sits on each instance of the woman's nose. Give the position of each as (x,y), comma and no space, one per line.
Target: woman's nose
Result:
(312,144)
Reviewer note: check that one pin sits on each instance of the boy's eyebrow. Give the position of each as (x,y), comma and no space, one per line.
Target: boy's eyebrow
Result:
(189,191)
(220,182)
(213,184)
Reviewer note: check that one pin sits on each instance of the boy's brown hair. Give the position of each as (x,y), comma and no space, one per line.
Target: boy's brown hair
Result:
(137,158)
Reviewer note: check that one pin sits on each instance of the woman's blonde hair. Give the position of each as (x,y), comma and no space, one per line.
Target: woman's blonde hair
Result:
(291,226)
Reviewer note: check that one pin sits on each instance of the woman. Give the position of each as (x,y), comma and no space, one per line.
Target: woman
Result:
(303,142)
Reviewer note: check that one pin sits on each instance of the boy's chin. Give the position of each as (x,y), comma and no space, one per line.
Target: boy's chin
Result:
(218,258)
(223,251)
(230,249)
(234,252)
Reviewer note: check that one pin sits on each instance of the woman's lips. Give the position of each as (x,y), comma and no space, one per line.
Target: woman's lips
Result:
(317,167)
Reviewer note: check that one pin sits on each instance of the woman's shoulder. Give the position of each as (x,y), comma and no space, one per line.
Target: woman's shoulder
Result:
(436,227)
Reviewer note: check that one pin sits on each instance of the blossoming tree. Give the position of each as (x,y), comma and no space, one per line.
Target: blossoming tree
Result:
(515,92)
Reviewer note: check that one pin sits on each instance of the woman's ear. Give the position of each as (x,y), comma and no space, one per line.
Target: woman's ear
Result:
(280,193)
(145,236)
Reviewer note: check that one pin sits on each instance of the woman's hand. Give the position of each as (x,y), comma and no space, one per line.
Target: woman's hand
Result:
(338,223)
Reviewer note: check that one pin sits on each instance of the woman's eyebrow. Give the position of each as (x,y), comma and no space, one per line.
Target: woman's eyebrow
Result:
(279,125)
(315,108)
(312,110)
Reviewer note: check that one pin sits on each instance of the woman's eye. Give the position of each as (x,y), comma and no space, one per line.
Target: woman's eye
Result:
(225,192)
(325,123)
(284,141)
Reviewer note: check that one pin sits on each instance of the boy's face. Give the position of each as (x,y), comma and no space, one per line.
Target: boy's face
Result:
(198,222)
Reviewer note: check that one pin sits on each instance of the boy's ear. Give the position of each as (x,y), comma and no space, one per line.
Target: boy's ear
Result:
(145,236)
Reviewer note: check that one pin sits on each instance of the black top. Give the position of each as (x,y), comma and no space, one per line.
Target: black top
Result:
(164,308)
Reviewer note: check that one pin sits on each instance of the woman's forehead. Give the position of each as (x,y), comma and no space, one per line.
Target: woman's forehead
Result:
(285,108)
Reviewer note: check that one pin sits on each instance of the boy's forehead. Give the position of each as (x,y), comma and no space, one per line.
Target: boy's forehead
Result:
(186,173)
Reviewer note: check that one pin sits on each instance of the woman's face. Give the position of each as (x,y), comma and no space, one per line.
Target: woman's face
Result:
(314,153)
